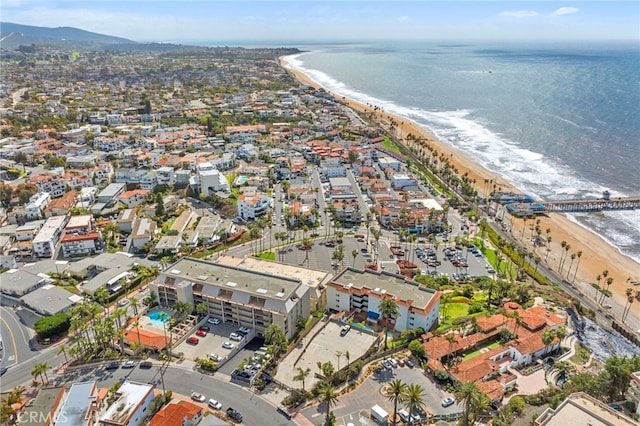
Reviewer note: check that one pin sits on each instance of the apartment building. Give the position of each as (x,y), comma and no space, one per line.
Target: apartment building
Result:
(81,238)
(210,179)
(131,406)
(44,244)
(633,393)
(235,295)
(361,292)
(37,204)
(252,205)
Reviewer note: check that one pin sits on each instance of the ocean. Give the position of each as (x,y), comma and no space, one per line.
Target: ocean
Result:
(558,120)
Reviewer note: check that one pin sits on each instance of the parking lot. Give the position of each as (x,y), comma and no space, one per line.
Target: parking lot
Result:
(355,406)
(211,343)
(323,347)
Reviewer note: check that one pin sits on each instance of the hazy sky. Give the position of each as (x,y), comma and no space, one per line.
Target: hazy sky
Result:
(170,20)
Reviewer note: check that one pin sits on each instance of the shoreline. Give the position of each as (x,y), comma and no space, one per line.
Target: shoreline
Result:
(597,254)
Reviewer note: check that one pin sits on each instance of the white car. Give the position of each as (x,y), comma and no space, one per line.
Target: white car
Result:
(198,397)
(448,401)
(216,405)
(214,321)
(244,330)
(215,357)
(235,336)
(228,345)
(129,364)
(124,302)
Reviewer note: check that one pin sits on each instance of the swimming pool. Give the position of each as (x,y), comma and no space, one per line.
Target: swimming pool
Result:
(159,318)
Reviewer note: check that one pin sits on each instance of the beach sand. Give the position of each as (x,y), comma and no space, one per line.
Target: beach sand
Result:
(597,254)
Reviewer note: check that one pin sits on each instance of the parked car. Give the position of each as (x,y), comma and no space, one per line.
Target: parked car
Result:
(235,336)
(113,365)
(234,414)
(216,405)
(124,302)
(244,330)
(394,362)
(215,357)
(448,401)
(193,340)
(228,345)
(201,333)
(198,397)
(146,365)
(408,363)
(214,321)
(344,330)
(129,364)
(204,328)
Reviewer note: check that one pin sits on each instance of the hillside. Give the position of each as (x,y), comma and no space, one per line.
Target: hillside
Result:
(13,35)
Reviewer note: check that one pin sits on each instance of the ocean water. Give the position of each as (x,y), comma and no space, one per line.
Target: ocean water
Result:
(558,120)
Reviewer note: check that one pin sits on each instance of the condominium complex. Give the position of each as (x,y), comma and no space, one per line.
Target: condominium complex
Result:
(361,292)
(235,295)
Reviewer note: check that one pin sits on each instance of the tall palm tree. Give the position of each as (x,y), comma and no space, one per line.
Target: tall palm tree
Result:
(563,244)
(451,338)
(102,295)
(63,349)
(135,303)
(328,396)
(630,300)
(338,356)
(301,376)
(388,309)
(395,392)
(575,272)
(413,397)
(473,400)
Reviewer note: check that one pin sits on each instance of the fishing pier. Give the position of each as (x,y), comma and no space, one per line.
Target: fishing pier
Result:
(592,205)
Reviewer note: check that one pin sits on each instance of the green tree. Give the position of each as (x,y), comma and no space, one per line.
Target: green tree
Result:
(413,398)
(302,375)
(417,349)
(329,398)
(274,335)
(473,400)
(388,309)
(394,392)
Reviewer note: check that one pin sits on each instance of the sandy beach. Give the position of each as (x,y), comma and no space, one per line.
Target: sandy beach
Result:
(597,255)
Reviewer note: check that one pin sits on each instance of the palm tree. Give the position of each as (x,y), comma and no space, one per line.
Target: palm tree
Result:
(394,392)
(338,355)
(63,350)
(347,355)
(573,257)
(388,309)
(328,396)
(630,299)
(451,338)
(473,400)
(301,376)
(563,244)
(354,254)
(579,255)
(413,397)
(605,274)
(135,303)
(41,370)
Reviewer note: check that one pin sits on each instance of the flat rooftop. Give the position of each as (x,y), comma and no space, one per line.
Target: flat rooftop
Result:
(386,283)
(309,277)
(76,407)
(130,395)
(79,221)
(581,409)
(260,284)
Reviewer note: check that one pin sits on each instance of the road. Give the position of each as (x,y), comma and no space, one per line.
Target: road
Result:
(184,381)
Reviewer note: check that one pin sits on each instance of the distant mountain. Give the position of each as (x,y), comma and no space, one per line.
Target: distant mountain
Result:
(14,35)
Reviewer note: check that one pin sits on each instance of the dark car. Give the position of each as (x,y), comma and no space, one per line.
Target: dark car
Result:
(146,364)
(3,370)
(234,414)
(113,365)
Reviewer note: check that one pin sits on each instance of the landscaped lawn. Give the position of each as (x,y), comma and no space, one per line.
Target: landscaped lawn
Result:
(268,255)
(455,310)
(480,350)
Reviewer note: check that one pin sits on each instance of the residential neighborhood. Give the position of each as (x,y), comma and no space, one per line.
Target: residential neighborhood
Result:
(183,230)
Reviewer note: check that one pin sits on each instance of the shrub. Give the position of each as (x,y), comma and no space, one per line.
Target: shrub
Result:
(53,325)
(416,349)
